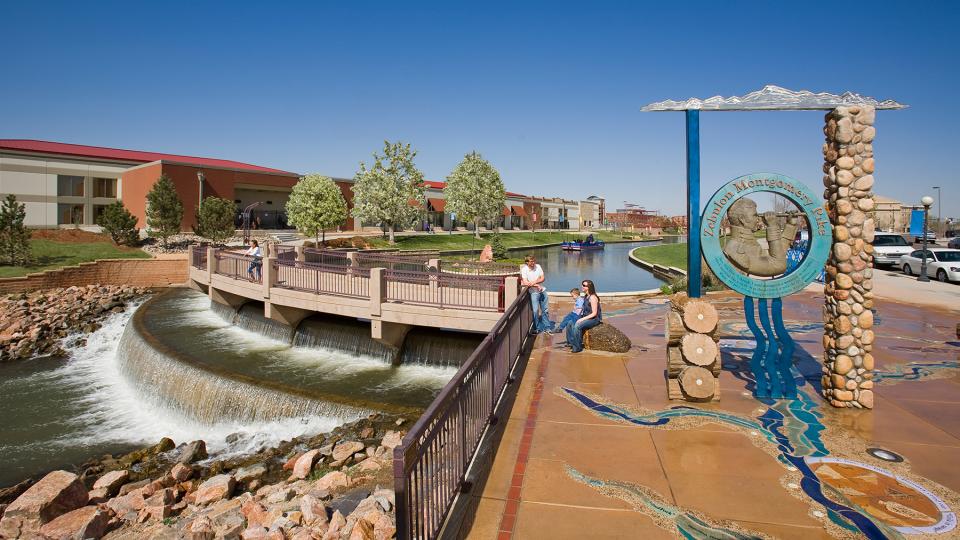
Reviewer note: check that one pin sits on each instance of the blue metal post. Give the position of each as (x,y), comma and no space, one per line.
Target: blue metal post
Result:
(693,204)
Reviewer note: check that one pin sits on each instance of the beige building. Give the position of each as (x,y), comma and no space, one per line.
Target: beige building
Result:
(888,215)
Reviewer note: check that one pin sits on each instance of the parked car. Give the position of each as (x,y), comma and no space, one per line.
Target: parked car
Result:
(942,263)
(888,248)
(931,237)
(954,243)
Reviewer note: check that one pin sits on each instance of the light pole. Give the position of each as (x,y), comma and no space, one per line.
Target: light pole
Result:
(200,178)
(926,200)
(939,212)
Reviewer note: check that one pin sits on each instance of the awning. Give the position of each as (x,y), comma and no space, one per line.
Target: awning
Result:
(437,204)
(506,212)
(519,211)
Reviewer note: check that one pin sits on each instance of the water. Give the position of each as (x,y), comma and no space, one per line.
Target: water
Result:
(610,268)
(183,370)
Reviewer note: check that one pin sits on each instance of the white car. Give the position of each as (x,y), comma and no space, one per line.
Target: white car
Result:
(942,263)
(888,248)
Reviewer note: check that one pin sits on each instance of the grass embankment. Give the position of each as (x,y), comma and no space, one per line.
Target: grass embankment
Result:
(664,254)
(58,248)
(445,242)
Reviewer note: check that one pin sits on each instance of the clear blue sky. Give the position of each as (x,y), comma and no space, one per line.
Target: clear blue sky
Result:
(549,93)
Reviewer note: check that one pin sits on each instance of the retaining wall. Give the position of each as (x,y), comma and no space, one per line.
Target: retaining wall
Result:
(135,272)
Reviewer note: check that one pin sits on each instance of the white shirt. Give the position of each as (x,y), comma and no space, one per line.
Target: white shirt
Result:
(530,276)
(254,251)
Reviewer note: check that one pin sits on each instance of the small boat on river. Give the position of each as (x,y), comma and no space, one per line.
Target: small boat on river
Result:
(583,245)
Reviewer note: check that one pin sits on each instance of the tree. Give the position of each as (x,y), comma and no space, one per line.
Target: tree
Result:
(164,209)
(496,244)
(120,224)
(215,220)
(315,205)
(475,192)
(391,191)
(14,236)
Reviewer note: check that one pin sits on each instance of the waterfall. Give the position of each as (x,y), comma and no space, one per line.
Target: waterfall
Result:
(210,397)
(343,335)
(432,347)
(250,317)
(223,311)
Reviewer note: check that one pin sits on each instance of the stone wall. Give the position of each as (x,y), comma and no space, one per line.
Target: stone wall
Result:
(133,272)
(847,316)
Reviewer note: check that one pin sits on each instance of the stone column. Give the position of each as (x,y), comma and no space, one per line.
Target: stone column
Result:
(848,322)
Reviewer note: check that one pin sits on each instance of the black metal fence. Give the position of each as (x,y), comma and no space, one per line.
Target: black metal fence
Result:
(431,463)
(199,257)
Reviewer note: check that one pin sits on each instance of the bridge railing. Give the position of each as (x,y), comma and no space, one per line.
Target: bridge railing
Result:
(332,279)
(235,265)
(394,261)
(481,268)
(431,464)
(285,253)
(327,257)
(198,257)
(445,290)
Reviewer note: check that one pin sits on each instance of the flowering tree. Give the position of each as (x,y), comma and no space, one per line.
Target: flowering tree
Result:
(391,191)
(475,192)
(315,205)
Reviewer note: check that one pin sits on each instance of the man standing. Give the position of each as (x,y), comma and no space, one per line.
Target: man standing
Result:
(531,275)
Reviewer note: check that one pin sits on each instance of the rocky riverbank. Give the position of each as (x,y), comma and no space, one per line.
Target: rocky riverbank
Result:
(333,486)
(36,323)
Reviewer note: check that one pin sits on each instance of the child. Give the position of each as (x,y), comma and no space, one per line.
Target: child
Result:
(573,315)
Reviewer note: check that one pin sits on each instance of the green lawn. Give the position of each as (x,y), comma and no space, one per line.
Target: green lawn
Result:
(442,242)
(48,255)
(666,254)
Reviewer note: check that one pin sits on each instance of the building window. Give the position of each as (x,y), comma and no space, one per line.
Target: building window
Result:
(97,212)
(69,186)
(105,187)
(70,214)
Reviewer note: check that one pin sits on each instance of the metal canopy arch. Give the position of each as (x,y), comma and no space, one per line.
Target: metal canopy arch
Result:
(768,98)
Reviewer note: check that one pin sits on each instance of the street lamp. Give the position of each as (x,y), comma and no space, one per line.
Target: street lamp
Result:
(926,201)
(939,212)
(200,178)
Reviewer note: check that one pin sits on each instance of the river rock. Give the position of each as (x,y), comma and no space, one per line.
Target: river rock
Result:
(313,510)
(194,451)
(392,439)
(346,449)
(55,494)
(303,466)
(332,480)
(214,489)
(250,472)
(606,337)
(112,481)
(79,524)
(181,472)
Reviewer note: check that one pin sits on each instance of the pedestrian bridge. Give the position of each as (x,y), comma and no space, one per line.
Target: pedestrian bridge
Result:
(394,293)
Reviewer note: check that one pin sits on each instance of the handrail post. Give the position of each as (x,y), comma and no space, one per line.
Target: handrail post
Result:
(211,263)
(269,275)
(299,251)
(401,509)
(511,290)
(352,257)
(378,289)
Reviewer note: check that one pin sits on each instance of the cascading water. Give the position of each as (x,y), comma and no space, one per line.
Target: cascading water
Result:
(431,347)
(343,335)
(250,317)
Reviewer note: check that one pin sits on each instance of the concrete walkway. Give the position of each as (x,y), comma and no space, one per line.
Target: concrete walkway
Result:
(593,449)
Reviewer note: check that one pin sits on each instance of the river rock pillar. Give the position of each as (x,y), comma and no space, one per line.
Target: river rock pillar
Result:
(848,289)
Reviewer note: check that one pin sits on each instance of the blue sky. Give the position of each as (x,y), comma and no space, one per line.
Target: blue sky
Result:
(548,92)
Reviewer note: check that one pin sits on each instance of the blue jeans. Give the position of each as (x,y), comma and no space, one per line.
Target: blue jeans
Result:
(254,267)
(575,333)
(541,315)
(567,321)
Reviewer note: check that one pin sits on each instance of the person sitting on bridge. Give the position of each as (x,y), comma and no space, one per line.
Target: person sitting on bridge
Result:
(256,262)
(578,300)
(531,275)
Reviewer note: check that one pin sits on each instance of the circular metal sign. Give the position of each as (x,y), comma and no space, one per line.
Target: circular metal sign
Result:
(821,235)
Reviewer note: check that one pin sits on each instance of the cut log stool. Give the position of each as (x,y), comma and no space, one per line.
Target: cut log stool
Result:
(693,356)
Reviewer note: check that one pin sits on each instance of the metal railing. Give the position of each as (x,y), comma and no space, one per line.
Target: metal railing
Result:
(480,268)
(320,278)
(431,463)
(394,261)
(444,290)
(199,257)
(326,257)
(239,266)
(284,253)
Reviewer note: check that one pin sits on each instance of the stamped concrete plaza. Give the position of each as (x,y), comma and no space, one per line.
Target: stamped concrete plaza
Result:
(593,448)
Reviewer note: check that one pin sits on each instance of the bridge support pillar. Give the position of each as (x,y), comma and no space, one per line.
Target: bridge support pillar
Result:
(269,274)
(226,298)
(390,334)
(289,316)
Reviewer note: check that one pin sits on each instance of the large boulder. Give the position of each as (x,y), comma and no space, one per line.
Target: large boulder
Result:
(80,524)
(606,337)
(56,494)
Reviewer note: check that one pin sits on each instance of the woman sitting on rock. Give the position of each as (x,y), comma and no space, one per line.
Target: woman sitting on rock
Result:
(592,315)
